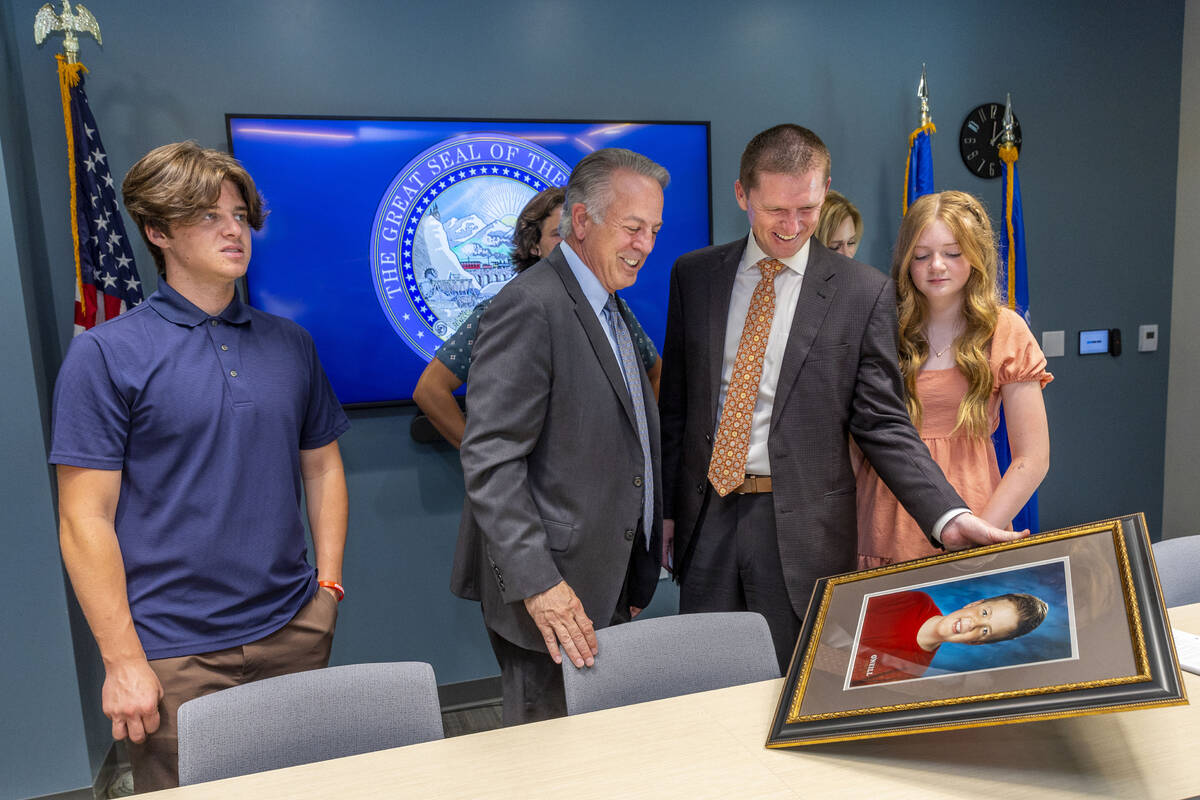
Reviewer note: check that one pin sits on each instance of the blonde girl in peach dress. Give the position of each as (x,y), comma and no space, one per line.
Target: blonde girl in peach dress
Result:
(962,355)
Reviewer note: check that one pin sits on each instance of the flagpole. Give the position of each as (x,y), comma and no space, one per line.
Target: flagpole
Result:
(1016,291)
(1008,154)
(918,171)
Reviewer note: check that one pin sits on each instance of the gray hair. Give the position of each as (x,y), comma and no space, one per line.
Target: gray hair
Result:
(591,182)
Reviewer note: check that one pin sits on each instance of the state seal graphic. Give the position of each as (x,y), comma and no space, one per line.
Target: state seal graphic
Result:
(442,236)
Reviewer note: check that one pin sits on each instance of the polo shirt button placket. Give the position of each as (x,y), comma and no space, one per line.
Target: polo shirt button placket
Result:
(230,363)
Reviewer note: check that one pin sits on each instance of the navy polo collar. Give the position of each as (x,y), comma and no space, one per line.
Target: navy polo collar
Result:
(174,307)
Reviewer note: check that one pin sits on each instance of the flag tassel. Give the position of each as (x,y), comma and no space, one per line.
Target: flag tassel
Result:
(1008,154)
(68,77)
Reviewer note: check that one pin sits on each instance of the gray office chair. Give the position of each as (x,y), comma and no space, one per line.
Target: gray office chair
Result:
(306,717)
(1178,562)
(668,656)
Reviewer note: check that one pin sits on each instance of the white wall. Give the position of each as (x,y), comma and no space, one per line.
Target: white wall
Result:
(1181,496)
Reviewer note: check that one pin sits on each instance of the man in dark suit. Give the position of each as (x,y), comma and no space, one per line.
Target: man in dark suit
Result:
(778,349)
(561,530)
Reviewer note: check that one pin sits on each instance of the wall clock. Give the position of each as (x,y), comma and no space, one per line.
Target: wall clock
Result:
(979,139)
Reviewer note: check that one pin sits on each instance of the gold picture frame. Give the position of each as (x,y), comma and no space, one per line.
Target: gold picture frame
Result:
(1065,623)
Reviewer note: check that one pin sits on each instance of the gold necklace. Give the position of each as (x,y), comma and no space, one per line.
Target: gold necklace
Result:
(946,349)
(958,329)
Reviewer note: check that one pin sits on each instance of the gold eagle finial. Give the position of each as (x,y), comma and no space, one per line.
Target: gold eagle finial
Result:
(69,22)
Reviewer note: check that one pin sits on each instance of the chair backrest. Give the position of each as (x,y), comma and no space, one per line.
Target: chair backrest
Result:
(1178,562)
(305,717)
(668,656)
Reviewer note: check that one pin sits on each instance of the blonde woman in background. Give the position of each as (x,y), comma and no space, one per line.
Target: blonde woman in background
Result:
(840,226)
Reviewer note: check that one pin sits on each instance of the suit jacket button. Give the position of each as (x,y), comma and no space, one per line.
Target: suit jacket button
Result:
(699,488)
(637,480)
(708,438)
(629,535)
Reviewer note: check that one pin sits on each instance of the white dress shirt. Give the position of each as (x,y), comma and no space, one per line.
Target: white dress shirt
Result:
(595,294)
(787,293)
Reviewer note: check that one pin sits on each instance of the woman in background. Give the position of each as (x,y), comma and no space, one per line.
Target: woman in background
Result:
(535,236)
(840,226)
(962,356)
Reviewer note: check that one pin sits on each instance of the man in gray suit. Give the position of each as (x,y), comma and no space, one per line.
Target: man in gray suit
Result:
(758,491)
(561,529)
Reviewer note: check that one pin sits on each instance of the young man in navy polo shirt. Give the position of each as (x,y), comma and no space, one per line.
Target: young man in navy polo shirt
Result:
(184,432)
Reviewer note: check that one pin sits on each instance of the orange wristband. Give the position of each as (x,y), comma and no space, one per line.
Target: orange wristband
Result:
(337,588)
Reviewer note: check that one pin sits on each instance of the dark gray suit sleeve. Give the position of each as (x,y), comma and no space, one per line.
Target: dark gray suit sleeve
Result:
(507,399)
(672,404)
(880,423)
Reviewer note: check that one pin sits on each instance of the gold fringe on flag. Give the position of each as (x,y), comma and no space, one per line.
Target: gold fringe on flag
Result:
(68,77)
(912,138)
(1008,154)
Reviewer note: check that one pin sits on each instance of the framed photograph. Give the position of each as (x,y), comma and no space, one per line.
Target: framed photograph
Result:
(1064,623)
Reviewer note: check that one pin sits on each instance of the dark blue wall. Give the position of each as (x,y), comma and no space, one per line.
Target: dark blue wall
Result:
(1096,87)
(44,748)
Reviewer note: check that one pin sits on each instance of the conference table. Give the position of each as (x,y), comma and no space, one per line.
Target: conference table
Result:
(711,745)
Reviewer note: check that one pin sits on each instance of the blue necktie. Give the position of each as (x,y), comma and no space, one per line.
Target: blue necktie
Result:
(633,382)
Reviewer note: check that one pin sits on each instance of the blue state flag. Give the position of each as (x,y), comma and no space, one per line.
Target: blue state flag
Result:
(1014,286)
(918,173)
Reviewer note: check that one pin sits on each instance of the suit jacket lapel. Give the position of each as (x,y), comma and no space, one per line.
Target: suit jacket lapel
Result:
(720,287)
(816,295)
(595,334)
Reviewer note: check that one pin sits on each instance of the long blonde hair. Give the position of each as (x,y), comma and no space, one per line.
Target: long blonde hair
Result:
(968,221)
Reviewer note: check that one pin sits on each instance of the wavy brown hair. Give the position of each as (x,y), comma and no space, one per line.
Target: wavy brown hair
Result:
(968,221)
(176,183)
(528,232)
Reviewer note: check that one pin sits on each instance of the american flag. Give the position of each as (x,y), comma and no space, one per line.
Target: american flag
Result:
(104,259)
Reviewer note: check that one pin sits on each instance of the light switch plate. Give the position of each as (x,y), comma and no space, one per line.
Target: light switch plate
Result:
(1053,343)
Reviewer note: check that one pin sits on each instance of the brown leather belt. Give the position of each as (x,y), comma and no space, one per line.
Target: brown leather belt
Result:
(754,484)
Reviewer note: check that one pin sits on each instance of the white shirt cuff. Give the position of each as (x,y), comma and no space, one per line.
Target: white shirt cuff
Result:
(944,520)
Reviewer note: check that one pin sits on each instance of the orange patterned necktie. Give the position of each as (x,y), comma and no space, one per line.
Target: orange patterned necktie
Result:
(727,470)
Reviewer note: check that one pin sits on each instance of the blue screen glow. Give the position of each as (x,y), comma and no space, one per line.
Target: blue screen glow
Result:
(383,233)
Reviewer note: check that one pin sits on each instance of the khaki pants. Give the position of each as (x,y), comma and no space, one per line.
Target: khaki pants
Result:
(302,644)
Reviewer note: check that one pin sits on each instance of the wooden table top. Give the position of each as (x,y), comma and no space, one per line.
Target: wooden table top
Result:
(711,744)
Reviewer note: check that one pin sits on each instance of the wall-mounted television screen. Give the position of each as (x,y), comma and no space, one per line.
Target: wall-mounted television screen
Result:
(384,233)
